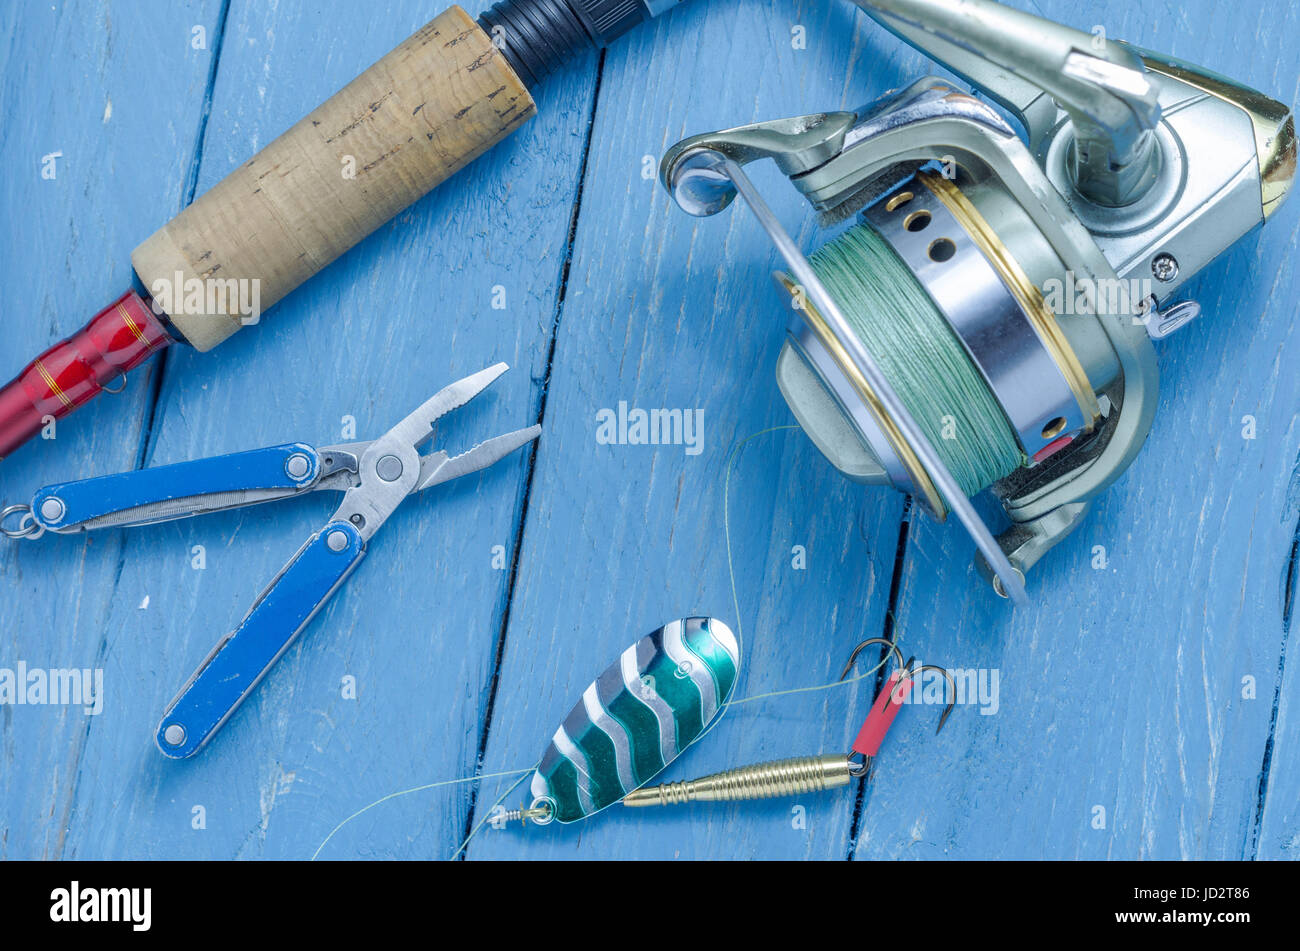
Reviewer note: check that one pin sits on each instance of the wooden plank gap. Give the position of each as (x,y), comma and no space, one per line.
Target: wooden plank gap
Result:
(159,368)
(887,632)
(1288,604)
(531,468)
(149,414)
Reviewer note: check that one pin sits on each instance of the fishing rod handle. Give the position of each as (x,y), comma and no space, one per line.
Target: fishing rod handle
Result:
(424,111)
(428,108)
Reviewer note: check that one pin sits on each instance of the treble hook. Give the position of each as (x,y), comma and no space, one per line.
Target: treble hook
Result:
(859,763)
(907,673)
(884,708)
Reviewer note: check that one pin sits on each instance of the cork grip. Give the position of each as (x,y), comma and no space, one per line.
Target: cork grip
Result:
(420,114)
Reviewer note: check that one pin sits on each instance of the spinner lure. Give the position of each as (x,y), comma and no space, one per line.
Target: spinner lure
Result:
(794,777)
(663,694)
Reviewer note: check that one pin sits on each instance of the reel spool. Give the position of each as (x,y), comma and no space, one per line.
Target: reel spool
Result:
(962,332)
(928,346)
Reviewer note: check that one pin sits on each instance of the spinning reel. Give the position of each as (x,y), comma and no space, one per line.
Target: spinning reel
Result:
(988,322)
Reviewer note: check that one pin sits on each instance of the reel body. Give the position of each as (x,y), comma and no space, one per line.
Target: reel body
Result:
(1051,265)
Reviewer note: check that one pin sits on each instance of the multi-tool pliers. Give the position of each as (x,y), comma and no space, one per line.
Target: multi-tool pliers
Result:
(375,478)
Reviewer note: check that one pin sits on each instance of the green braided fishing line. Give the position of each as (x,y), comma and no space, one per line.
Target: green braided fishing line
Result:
(921,356)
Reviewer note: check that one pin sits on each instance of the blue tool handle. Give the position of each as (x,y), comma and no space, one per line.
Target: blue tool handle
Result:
(242,659)
(177,491)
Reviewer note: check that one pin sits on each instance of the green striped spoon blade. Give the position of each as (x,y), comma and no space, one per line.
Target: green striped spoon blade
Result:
(638,716)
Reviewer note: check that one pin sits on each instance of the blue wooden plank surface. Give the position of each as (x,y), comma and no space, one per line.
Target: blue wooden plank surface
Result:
(85,80)
(1121,689)
(652,546)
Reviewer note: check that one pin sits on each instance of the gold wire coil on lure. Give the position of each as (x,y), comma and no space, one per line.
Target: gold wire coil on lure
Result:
(788,777)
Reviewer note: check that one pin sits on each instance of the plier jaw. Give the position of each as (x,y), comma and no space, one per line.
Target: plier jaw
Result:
(391,467)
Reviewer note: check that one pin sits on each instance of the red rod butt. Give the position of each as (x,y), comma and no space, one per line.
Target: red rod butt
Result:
(71,373)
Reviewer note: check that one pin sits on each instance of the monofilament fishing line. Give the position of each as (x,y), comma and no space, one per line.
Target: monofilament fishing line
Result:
(921,356)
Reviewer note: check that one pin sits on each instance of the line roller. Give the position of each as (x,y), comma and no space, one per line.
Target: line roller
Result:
(985,319)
